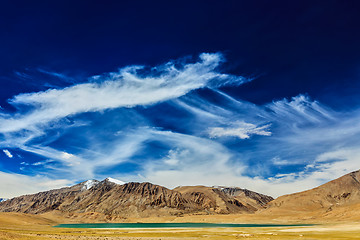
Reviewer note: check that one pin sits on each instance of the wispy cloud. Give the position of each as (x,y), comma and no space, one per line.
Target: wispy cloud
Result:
(128,87)
(18,184)
(301,110)
(61,76)
(242,130)
(8,153)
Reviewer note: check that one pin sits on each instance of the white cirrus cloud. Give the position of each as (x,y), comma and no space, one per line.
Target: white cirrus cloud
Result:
(300,110)
(8,153)
(13,184)
(129,87)
(242,130)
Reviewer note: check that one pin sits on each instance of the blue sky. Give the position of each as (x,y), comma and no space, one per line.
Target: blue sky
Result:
(261,95)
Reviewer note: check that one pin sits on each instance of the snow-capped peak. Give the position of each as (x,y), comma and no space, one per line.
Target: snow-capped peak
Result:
(113,180)
(89,184)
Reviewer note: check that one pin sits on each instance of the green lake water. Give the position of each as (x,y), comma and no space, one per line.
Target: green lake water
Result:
(172,225)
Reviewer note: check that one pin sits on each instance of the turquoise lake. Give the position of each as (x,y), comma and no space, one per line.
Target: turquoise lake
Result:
(172,225)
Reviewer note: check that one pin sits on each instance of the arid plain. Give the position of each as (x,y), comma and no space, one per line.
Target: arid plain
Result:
(27,227)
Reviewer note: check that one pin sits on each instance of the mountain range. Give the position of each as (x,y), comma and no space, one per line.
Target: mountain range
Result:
(113,199)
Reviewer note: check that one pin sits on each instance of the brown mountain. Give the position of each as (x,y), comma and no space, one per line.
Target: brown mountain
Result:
(341,195)
(225,200)
(135,200)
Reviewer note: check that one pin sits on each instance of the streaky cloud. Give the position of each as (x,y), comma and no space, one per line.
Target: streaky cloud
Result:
(126,88)
(16,184)
(8,153)
(301,109)
(242,130)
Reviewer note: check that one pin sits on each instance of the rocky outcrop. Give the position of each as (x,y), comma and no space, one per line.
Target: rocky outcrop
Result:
(257,200)
(219,200)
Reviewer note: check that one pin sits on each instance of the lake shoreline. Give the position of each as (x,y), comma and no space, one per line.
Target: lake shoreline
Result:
(172,225)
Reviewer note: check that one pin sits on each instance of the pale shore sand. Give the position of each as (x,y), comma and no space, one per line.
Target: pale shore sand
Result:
(342,231)
(326,228)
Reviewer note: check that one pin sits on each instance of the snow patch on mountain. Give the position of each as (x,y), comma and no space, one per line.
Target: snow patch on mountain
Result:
(113,180)
(89,184)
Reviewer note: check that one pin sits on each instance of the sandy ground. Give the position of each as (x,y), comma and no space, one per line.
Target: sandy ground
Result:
(30,227)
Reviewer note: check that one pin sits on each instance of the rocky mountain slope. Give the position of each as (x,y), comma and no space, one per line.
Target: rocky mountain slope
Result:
(225,200)
(114,198)
(254,199)
(341,193)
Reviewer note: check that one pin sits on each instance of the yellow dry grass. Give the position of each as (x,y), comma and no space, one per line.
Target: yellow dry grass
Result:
(30,227)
